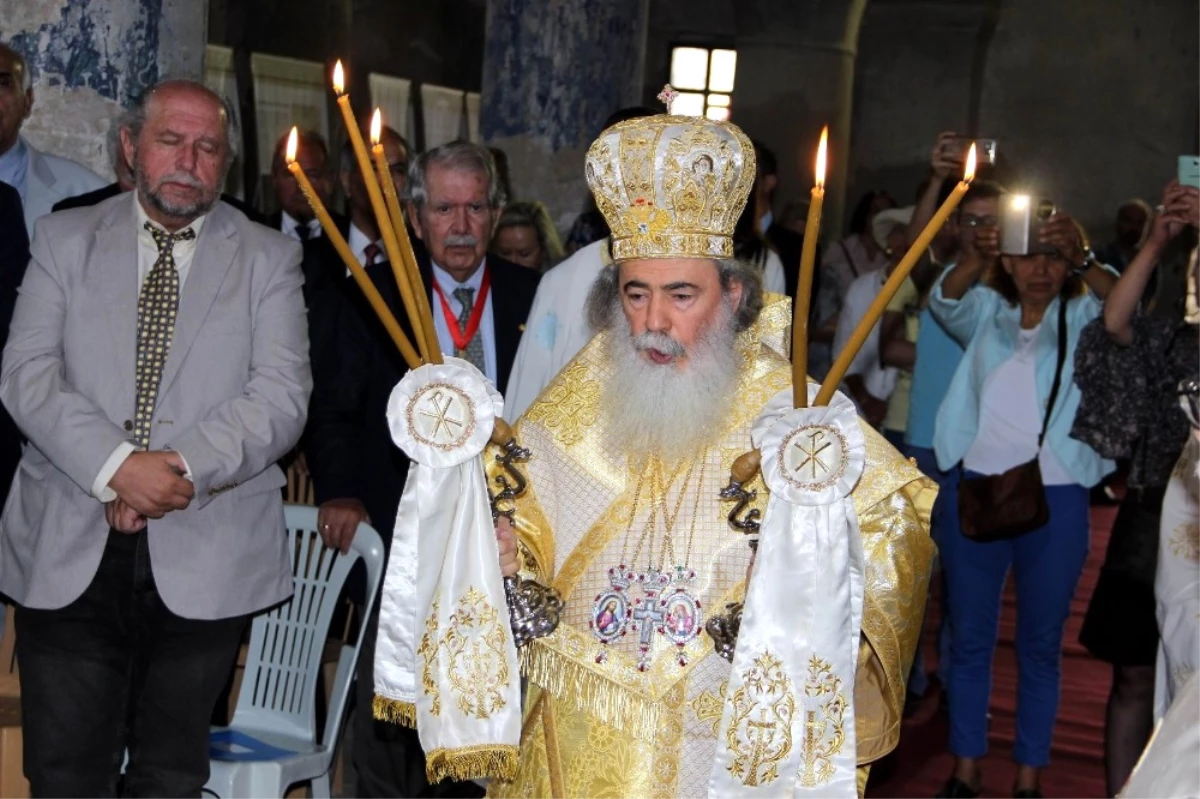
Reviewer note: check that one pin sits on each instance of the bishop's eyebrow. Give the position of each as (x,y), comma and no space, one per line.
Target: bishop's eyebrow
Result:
(681,284)
(635,284)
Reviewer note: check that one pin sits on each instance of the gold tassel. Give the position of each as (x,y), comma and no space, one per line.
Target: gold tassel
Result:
(590,692)
(472,763)
(394,711)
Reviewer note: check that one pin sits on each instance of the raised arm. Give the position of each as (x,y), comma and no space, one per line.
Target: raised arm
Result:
(1180,207)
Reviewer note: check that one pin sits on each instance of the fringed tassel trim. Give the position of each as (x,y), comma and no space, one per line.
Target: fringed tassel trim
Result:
(494,761)
(590,692)
(394,711)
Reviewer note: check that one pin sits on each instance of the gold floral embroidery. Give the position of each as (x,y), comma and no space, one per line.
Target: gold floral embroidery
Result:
(824,732)
(760,735)
(569,406)
(427,651)
(1185,541)
(708,707)
(472,654)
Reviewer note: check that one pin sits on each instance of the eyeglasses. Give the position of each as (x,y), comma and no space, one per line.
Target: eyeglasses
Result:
(1188,392)
(972,221)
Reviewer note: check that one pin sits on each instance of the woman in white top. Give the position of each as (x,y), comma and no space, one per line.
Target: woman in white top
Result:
(1006,311)
(843,263)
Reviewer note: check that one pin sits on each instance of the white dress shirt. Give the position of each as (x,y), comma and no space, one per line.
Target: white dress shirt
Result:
(358,242)
(487,325)
(147,255)
(289,223)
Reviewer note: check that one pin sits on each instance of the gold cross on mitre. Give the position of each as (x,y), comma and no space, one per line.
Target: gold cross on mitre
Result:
(667,97)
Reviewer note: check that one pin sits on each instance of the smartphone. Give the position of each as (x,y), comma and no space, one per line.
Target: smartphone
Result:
(985,150)
(1189,170)
(1021,220)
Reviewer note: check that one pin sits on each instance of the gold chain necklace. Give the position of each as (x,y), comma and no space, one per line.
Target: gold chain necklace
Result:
(666,607)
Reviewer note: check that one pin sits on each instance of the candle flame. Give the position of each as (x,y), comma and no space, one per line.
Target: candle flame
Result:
(376,126)
(822,150)
(293,140)
(1020,202)
(969,172)
(339,79)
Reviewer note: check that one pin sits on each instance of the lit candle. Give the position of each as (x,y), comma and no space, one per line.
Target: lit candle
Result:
(399,265)
(812,229)
(405,269)
(386,231)
(902,270)
(343,249)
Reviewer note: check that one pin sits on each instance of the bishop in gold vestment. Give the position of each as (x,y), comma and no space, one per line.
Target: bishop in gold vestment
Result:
(611,506)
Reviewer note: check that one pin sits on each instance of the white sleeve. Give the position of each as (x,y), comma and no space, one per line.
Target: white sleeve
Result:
(100,489)
(531,369)
(773,278)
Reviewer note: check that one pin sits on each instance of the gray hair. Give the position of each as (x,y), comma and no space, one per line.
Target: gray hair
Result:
(604,300)
(134,119)
(458,155)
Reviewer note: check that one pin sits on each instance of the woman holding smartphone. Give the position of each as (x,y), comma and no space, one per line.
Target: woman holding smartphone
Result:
(1007,312)
(1128,368)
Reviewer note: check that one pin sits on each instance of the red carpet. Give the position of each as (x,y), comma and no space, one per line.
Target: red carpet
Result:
(920,765)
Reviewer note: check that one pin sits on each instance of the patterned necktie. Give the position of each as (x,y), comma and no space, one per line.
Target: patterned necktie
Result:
(474,352)
(157,305)
(372,252)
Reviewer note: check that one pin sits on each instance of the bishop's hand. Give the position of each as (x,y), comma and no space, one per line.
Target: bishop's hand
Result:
(507,540)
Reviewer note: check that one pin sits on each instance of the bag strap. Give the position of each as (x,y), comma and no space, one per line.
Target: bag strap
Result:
(1058,368)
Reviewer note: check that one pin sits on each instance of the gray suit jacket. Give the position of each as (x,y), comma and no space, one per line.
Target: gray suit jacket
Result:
(233,400)
(51,178)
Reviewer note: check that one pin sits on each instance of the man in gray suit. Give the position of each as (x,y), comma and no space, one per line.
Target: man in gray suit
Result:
(158,365)
(41,178)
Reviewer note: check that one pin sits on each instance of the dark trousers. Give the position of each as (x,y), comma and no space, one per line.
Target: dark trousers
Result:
(388,757)
(116,671)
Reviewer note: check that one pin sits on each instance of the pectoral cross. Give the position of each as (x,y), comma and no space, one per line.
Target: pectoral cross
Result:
(648,616)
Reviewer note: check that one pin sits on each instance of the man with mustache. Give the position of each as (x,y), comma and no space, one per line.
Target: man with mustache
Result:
(480,303)
(158,364)
(631,445)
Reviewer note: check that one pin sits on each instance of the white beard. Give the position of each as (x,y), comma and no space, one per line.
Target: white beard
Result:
(664,410)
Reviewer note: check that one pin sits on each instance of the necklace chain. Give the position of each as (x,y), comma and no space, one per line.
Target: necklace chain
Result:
(659,491)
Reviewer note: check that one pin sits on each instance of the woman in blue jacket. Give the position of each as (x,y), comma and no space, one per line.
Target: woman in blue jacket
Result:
(1005,311)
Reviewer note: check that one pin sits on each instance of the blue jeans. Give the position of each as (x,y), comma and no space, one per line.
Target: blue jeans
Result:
(946,503)
(1046,564)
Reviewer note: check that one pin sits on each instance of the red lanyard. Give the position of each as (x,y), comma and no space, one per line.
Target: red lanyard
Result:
(463,337)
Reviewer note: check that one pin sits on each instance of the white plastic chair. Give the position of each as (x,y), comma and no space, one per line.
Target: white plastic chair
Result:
(271,742)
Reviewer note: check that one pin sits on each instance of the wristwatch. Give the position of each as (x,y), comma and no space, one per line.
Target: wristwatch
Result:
(1089,258)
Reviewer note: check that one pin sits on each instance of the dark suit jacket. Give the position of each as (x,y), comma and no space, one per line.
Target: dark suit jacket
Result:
(113,189)
(14,257)
(350,450)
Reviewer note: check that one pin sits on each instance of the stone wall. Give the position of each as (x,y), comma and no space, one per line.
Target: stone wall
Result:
(89,58)
(1090,102)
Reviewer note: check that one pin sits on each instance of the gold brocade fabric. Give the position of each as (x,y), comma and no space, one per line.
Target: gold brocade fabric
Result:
(597,729)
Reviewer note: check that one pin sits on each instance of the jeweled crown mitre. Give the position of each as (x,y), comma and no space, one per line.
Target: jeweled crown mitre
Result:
(671,186)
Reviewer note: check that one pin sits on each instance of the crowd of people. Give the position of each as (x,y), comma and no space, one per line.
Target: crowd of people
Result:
(1083,362)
